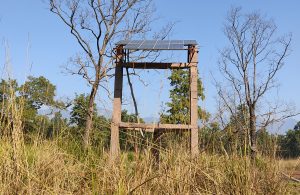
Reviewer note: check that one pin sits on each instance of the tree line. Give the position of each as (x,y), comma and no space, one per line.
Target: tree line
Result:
(42,116)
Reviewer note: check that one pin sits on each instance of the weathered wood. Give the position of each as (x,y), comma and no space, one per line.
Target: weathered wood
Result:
(116,118)
(158,65)
(138,129)
(156,126)
(193,57)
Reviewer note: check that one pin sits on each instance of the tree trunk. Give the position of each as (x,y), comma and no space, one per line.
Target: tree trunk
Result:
(89,117)
(252,125)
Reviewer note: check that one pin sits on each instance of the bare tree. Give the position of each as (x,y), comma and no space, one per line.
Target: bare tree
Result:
(250,63)
(96,24)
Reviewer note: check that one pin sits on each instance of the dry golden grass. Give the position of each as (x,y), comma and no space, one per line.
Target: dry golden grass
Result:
(62,167)
(46,168)
(290,164)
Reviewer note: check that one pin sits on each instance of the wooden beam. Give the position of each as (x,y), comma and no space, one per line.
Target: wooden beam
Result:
(155,126)
(138,129)
(193,57)
(116,118)
(158,65)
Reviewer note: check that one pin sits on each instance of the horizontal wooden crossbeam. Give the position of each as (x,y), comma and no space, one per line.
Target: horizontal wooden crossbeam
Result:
(139,129)
(157,65)
(155,126)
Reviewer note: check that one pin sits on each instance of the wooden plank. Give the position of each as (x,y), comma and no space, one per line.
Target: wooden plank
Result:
(155,126)
(158,65)
(116,118)
(193,57)
(138,129)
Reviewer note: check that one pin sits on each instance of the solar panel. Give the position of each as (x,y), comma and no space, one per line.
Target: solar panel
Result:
(156,44)
(144,47)
(164,41)
(190,42)
(176,46)
(177,41)
(161,46)
(123,42)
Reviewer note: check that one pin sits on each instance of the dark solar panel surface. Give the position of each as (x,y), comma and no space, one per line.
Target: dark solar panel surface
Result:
(156,44)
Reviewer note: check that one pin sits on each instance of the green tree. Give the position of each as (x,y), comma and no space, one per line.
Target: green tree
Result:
(39,91)
(30,97)
(80,110)
(100,135)
(130,118)
(36,92)
(178,108)
(290,143)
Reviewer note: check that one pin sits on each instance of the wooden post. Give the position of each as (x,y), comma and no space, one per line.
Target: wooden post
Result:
(116,118)
(193,58)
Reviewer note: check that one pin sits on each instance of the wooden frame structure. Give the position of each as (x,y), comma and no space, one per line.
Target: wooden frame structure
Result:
(191,64)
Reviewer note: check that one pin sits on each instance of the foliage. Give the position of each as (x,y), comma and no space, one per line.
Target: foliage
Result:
(35,93)
(130,118)
(290,143)
(80,110)
(178,112)
(38,91)
(101,125)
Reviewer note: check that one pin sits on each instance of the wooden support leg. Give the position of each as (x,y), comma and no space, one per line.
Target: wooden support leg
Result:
(194,104)
(116,118)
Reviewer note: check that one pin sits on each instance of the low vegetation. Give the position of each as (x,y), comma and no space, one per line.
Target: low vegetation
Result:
(39,162)
(55,167)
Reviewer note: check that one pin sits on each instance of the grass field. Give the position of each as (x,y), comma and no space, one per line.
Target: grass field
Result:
(59,165)
(55,167)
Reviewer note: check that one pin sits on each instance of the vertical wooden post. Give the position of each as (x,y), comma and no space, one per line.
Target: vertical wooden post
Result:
(116,118)
(193,57)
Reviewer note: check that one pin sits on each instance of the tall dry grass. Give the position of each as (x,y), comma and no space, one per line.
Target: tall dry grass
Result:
(60,166)
(45,168)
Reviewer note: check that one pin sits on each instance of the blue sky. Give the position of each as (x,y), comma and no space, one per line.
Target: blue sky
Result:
(40,44)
